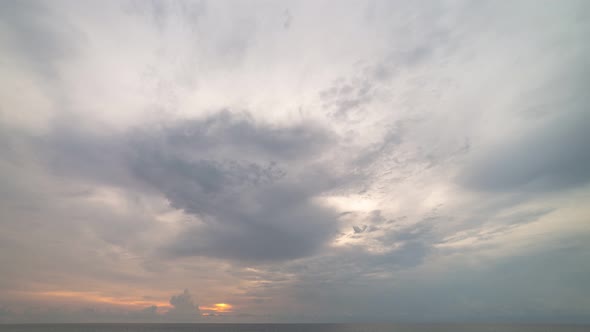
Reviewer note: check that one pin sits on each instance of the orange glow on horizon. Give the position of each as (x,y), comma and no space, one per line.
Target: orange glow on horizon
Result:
(99,298)
(129,302)
(217,307)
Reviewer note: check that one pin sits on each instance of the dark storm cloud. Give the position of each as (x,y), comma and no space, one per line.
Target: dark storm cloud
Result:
(249,182)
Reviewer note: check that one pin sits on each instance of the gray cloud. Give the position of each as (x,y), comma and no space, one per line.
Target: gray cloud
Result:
(183,308)
(248,207)
(342,284)
(287,225)
(243,178)
(548,158)
(240,134)
(39,34)
(544,154)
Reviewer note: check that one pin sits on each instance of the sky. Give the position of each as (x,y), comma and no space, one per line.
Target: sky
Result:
(294,161)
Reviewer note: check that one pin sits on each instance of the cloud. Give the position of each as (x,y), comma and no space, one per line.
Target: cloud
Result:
(544,159)
(41,36)
(286,226)
(390,160)
(359,229)
(241,135)
(252,184)
(243,180)
(183,308)
(4,314)
(539,151)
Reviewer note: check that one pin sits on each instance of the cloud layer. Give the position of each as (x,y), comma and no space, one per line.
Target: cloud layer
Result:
(300,161)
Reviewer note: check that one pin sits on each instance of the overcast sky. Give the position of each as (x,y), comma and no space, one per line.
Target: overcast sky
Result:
(294,161)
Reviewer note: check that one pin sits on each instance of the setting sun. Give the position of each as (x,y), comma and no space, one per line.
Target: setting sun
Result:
(218,307)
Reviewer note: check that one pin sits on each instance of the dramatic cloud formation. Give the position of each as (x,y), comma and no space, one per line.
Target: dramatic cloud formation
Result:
(294,161)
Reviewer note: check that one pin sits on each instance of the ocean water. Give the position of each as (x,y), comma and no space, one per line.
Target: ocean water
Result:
(287,328)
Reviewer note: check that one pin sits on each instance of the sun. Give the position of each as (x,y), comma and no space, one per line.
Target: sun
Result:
(218,307)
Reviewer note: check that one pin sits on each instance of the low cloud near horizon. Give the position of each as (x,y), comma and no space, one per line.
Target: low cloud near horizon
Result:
(294,161)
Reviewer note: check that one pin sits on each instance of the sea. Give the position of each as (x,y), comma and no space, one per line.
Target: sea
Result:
(289,328)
